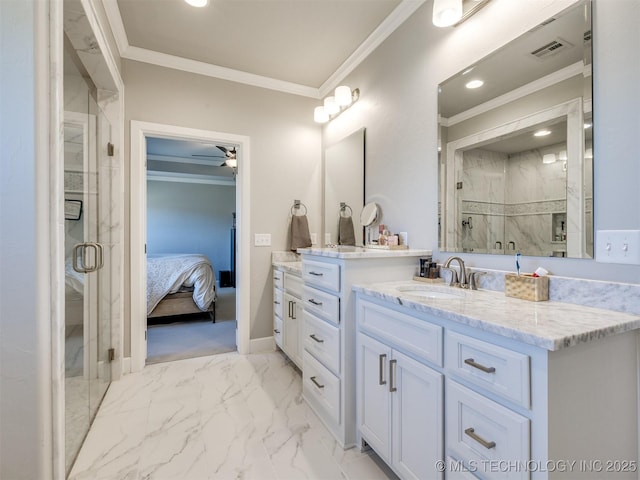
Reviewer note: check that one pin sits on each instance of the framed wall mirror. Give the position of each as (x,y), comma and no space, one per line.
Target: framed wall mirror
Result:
(344,190)
(515,145)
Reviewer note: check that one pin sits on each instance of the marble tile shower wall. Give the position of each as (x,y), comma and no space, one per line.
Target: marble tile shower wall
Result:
(511,200)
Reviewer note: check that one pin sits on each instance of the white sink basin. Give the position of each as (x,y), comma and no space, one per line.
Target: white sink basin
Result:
(431,292)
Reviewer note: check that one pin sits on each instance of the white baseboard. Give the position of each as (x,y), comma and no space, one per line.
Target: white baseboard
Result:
(126,365)
(264,344)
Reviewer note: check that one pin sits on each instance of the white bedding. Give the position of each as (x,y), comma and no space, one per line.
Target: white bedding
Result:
(168,273)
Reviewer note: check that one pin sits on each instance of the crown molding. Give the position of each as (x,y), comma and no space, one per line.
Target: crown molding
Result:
(185,160)
(403,11)
(558,76)
(154,176)
(215,71)
(389,25)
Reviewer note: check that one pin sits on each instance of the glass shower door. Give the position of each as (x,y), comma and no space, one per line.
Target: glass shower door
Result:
(88,273)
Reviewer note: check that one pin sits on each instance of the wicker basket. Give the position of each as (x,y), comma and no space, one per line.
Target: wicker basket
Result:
(526,287)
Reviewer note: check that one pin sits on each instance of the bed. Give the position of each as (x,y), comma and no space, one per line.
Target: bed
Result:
(180,284)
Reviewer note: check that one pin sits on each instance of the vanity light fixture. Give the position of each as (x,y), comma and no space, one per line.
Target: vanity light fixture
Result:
(542,133)
(453,12)
(197,3)
(474,84)
(334,105)
(549,158)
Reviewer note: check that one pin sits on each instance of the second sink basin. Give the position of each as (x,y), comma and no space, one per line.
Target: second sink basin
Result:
(424,291)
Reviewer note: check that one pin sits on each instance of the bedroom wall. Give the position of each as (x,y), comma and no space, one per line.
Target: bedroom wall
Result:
(398,107)
(191,218)
(285,156)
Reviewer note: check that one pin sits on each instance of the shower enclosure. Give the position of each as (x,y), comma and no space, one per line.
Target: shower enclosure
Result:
(88,266)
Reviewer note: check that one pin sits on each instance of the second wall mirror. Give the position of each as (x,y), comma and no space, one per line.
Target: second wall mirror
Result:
(515,145)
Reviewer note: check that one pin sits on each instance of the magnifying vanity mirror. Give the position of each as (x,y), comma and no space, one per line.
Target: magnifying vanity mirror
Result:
(515,145)
(344,189)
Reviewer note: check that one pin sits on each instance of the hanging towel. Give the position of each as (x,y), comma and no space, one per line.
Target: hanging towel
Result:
(300,236)
(346,234)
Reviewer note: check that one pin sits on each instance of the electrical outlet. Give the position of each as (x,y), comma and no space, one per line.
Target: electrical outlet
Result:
(262,240)
(618,246)
(314,239)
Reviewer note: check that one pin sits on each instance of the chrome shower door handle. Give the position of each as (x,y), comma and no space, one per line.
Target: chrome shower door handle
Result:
(80,252)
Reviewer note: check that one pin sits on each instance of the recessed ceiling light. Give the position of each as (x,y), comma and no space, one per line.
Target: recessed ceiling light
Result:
(542,133)
(197,3)
(474,84)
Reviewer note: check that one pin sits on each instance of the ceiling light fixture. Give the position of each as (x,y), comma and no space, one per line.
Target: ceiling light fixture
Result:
(474,84)
(197,3)
(542,133)
(334,105)
(453,12)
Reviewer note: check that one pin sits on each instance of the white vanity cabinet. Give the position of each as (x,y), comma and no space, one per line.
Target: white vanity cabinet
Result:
(506,409)
(329,341)
(292,321)
(278,305)
(399,408)
(287,314)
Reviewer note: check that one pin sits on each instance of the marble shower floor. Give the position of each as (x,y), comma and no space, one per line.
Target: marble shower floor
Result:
(221,417)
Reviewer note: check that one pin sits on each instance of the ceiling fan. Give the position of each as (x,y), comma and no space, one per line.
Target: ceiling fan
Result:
(229,156)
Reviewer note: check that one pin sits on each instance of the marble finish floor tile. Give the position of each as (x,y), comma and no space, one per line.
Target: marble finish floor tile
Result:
(226,416)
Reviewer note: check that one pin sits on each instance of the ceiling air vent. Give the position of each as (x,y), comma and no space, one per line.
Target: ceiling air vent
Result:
(551,48)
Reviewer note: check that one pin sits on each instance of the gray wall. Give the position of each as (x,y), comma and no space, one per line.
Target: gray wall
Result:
(26,310)
(191,218)
(398,105)
(285,156)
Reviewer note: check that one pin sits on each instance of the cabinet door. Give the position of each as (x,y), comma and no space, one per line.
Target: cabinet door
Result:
(291,333)
(416,416)
(374,408)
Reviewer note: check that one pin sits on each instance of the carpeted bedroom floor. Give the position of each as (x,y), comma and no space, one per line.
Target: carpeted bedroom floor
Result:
(192,336)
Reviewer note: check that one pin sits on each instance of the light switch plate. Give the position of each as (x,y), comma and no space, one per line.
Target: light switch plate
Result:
(262,239)
(618,246)
(327,238)
(314,239)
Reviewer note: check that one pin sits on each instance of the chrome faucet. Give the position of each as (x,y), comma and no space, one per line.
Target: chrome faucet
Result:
(454,277)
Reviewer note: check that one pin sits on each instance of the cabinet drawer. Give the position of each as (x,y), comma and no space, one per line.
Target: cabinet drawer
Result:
(278,302)
(456,470)
(277,330)
(293,284)
(322,340)
(408,333)
(320,274)
(497,369)
(323,304)
(321,387)
(483,433)
(278,279)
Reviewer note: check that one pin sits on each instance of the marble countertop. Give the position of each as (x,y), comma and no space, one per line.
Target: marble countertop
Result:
(361,252)
(292,267)
(549,325)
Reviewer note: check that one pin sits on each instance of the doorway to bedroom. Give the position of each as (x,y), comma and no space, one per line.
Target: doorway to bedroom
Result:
(191,248)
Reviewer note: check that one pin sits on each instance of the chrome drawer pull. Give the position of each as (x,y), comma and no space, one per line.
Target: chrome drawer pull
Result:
(319,340)
(471,432)
(276,331)
(469,361)
(317,274)
(315,302)
(381,359)
(392,376)
(313,379)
